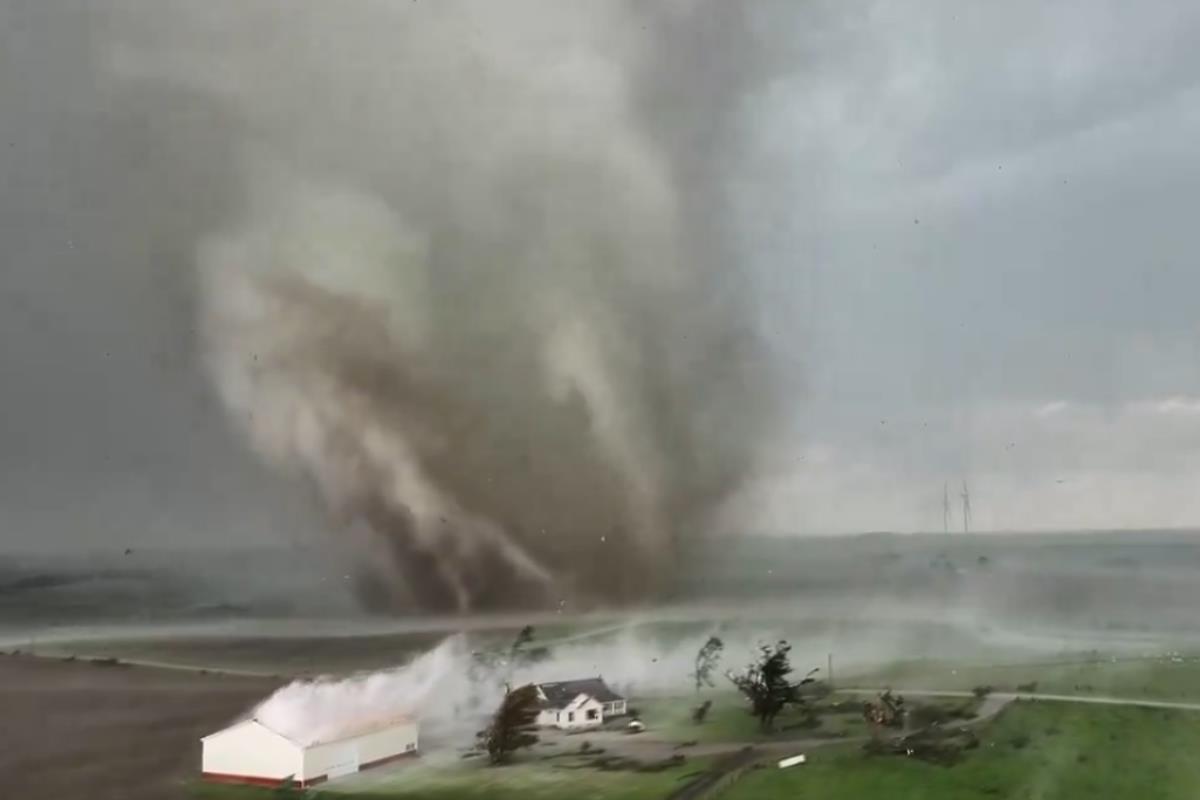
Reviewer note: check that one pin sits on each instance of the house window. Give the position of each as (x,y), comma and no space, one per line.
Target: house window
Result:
(570,716)
(558,716)
(591,714)
(408,748)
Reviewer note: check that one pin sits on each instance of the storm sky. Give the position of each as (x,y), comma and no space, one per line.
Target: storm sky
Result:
(968,230)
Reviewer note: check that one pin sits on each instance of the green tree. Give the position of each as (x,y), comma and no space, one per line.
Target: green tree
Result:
(524,637)
(765,683)
(497,665)
(706,662)
(513,724)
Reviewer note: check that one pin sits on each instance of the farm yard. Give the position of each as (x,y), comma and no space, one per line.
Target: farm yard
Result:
(1033,750)
(1030,748)
(91,692)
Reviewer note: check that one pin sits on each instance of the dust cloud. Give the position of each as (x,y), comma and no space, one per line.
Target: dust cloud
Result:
(449,692)
(481,288)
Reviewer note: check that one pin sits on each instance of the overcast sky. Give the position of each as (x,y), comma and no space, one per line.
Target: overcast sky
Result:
(970,230)
(997,201)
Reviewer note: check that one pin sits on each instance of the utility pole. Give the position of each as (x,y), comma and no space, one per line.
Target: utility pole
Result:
(966,508)
(945,506)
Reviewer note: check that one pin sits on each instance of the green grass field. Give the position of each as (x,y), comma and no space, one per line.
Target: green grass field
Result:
(567,778)
(1035,750)
(1158,678)
(561,778)
(730,721)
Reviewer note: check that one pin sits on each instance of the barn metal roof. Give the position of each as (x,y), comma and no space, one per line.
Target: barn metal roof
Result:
(348,731)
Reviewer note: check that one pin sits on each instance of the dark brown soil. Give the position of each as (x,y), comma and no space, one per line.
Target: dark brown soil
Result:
(106,731)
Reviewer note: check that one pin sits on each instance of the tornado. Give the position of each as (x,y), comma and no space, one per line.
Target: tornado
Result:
(477,290)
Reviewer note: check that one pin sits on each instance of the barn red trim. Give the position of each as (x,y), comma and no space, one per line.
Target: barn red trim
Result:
(275,783)
(256,780)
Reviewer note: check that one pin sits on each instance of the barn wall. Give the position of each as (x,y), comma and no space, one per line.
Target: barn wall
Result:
(250,751)
(349,755)
(397,740)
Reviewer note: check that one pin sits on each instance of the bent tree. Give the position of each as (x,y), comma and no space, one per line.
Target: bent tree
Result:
(766,685)
(513,724)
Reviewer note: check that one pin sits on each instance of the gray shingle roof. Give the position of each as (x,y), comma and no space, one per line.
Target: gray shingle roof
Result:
(559,694)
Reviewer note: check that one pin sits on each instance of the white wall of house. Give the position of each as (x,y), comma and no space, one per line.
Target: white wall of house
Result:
(346,756)
(251,750)
(582,712)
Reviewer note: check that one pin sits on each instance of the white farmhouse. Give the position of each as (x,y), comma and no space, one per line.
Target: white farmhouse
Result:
(572,705)
(252,753)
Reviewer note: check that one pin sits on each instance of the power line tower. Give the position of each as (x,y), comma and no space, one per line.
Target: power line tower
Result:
(966,508)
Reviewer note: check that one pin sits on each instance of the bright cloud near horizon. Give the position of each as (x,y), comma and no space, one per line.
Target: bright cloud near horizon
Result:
(985,260)
(1053,466)
(969,228)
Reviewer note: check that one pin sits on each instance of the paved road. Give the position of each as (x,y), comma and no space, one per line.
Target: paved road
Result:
(1057,698)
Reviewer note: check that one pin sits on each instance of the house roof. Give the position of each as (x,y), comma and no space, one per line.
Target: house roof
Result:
(560,694)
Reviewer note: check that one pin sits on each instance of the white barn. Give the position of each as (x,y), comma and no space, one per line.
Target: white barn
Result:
(250,752)
(572,705)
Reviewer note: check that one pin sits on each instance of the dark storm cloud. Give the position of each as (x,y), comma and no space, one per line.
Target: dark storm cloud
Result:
(507,335)
(947,217)
(457,268)
(109,435)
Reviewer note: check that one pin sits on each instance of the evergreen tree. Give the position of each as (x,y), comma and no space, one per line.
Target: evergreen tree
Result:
(513,726)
